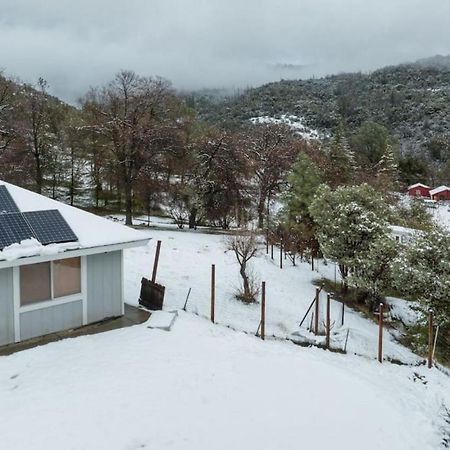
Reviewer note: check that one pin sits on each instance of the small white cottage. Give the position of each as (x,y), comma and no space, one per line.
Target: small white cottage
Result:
(402,234)
(60,267)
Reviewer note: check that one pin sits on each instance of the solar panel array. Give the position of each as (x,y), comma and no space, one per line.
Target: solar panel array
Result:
(13,229)
(48,227)
(7,204)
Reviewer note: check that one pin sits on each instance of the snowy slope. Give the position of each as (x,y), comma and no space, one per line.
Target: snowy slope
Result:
(202,386)
(185,262)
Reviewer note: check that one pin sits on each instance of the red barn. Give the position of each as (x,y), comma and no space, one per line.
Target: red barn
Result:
(419,190)
(440,193)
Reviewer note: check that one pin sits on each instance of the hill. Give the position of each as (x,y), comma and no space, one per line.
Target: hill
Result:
(411,100)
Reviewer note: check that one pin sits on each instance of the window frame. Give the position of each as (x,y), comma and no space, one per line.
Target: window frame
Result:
(54,301)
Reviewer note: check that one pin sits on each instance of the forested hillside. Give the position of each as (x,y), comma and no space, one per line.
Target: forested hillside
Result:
(136,144)
(412,101)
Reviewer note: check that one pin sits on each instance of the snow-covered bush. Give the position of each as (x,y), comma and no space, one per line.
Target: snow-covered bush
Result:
(349,221)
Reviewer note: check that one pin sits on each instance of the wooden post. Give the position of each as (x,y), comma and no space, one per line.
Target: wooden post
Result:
(213,291)
(343,313)
(328,322)
(380,333)
(312,261)
(267,241)
(271,250)
(281,254)
(263,310)
(430,339)
(155,263)
(316,313)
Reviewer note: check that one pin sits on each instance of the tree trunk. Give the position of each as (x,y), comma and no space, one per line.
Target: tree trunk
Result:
(193,218)
(72,176)
(39,176)
(246,284)
(261,205)
(344,274)
(128,203)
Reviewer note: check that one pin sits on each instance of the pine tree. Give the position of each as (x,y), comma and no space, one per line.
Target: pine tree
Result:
(304,181)
(342,163)
(387,170)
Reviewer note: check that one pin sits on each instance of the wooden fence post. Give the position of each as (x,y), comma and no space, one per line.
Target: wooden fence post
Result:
(316,313)
(263,310)
(271,250)
(213,291)
(281,254)
(430,339)
(156,261)
(328,322)
(343,313)
(312,261)
(267,241)
(380,333)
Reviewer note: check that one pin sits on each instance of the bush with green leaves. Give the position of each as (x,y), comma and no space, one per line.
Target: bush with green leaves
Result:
(422,271)
(349,220)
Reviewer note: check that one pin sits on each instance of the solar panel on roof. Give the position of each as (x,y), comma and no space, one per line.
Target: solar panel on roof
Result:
(13,229)
(50,227)
(7,204)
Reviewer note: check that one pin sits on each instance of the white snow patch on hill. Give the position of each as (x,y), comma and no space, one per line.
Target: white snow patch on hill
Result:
(296,123)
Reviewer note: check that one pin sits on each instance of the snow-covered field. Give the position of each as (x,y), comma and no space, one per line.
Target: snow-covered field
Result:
(202,386)
(185,262)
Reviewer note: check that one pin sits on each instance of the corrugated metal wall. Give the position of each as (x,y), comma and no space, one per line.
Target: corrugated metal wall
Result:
(51,319)
(104,299)
(104,286)
(6,306)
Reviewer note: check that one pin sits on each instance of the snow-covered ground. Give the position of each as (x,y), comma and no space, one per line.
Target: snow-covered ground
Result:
(296,123)
(185,262)
(203,386)
(441,214)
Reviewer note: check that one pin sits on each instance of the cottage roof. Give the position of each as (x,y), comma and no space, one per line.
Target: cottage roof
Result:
(439,189)
(91,230)
(418,185)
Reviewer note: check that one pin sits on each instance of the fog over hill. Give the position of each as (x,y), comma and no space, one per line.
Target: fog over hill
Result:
(198,43)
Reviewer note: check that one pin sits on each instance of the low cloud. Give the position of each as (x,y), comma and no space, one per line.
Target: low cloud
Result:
(214,43)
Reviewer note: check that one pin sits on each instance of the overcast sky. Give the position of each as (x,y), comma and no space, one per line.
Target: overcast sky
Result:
(213,43)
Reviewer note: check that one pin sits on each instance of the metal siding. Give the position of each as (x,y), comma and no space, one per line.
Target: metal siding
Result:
(6,306)
(104,286)
(49,320)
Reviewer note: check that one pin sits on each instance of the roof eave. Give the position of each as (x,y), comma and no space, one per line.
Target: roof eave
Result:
(73,253)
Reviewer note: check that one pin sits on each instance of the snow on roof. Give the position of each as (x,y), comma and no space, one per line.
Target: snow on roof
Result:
(91,230)
(439,189)
(418,185)
(402,230)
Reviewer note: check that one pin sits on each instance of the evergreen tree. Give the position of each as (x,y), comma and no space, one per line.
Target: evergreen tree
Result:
(304,180)
(296,221)
(387,170)
(423,272)
(373,271)
(342,166)
(348,221)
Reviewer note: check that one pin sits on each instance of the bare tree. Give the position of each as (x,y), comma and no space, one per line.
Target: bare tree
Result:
(133,112)
(36,128)
(271,153)
(245,247)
